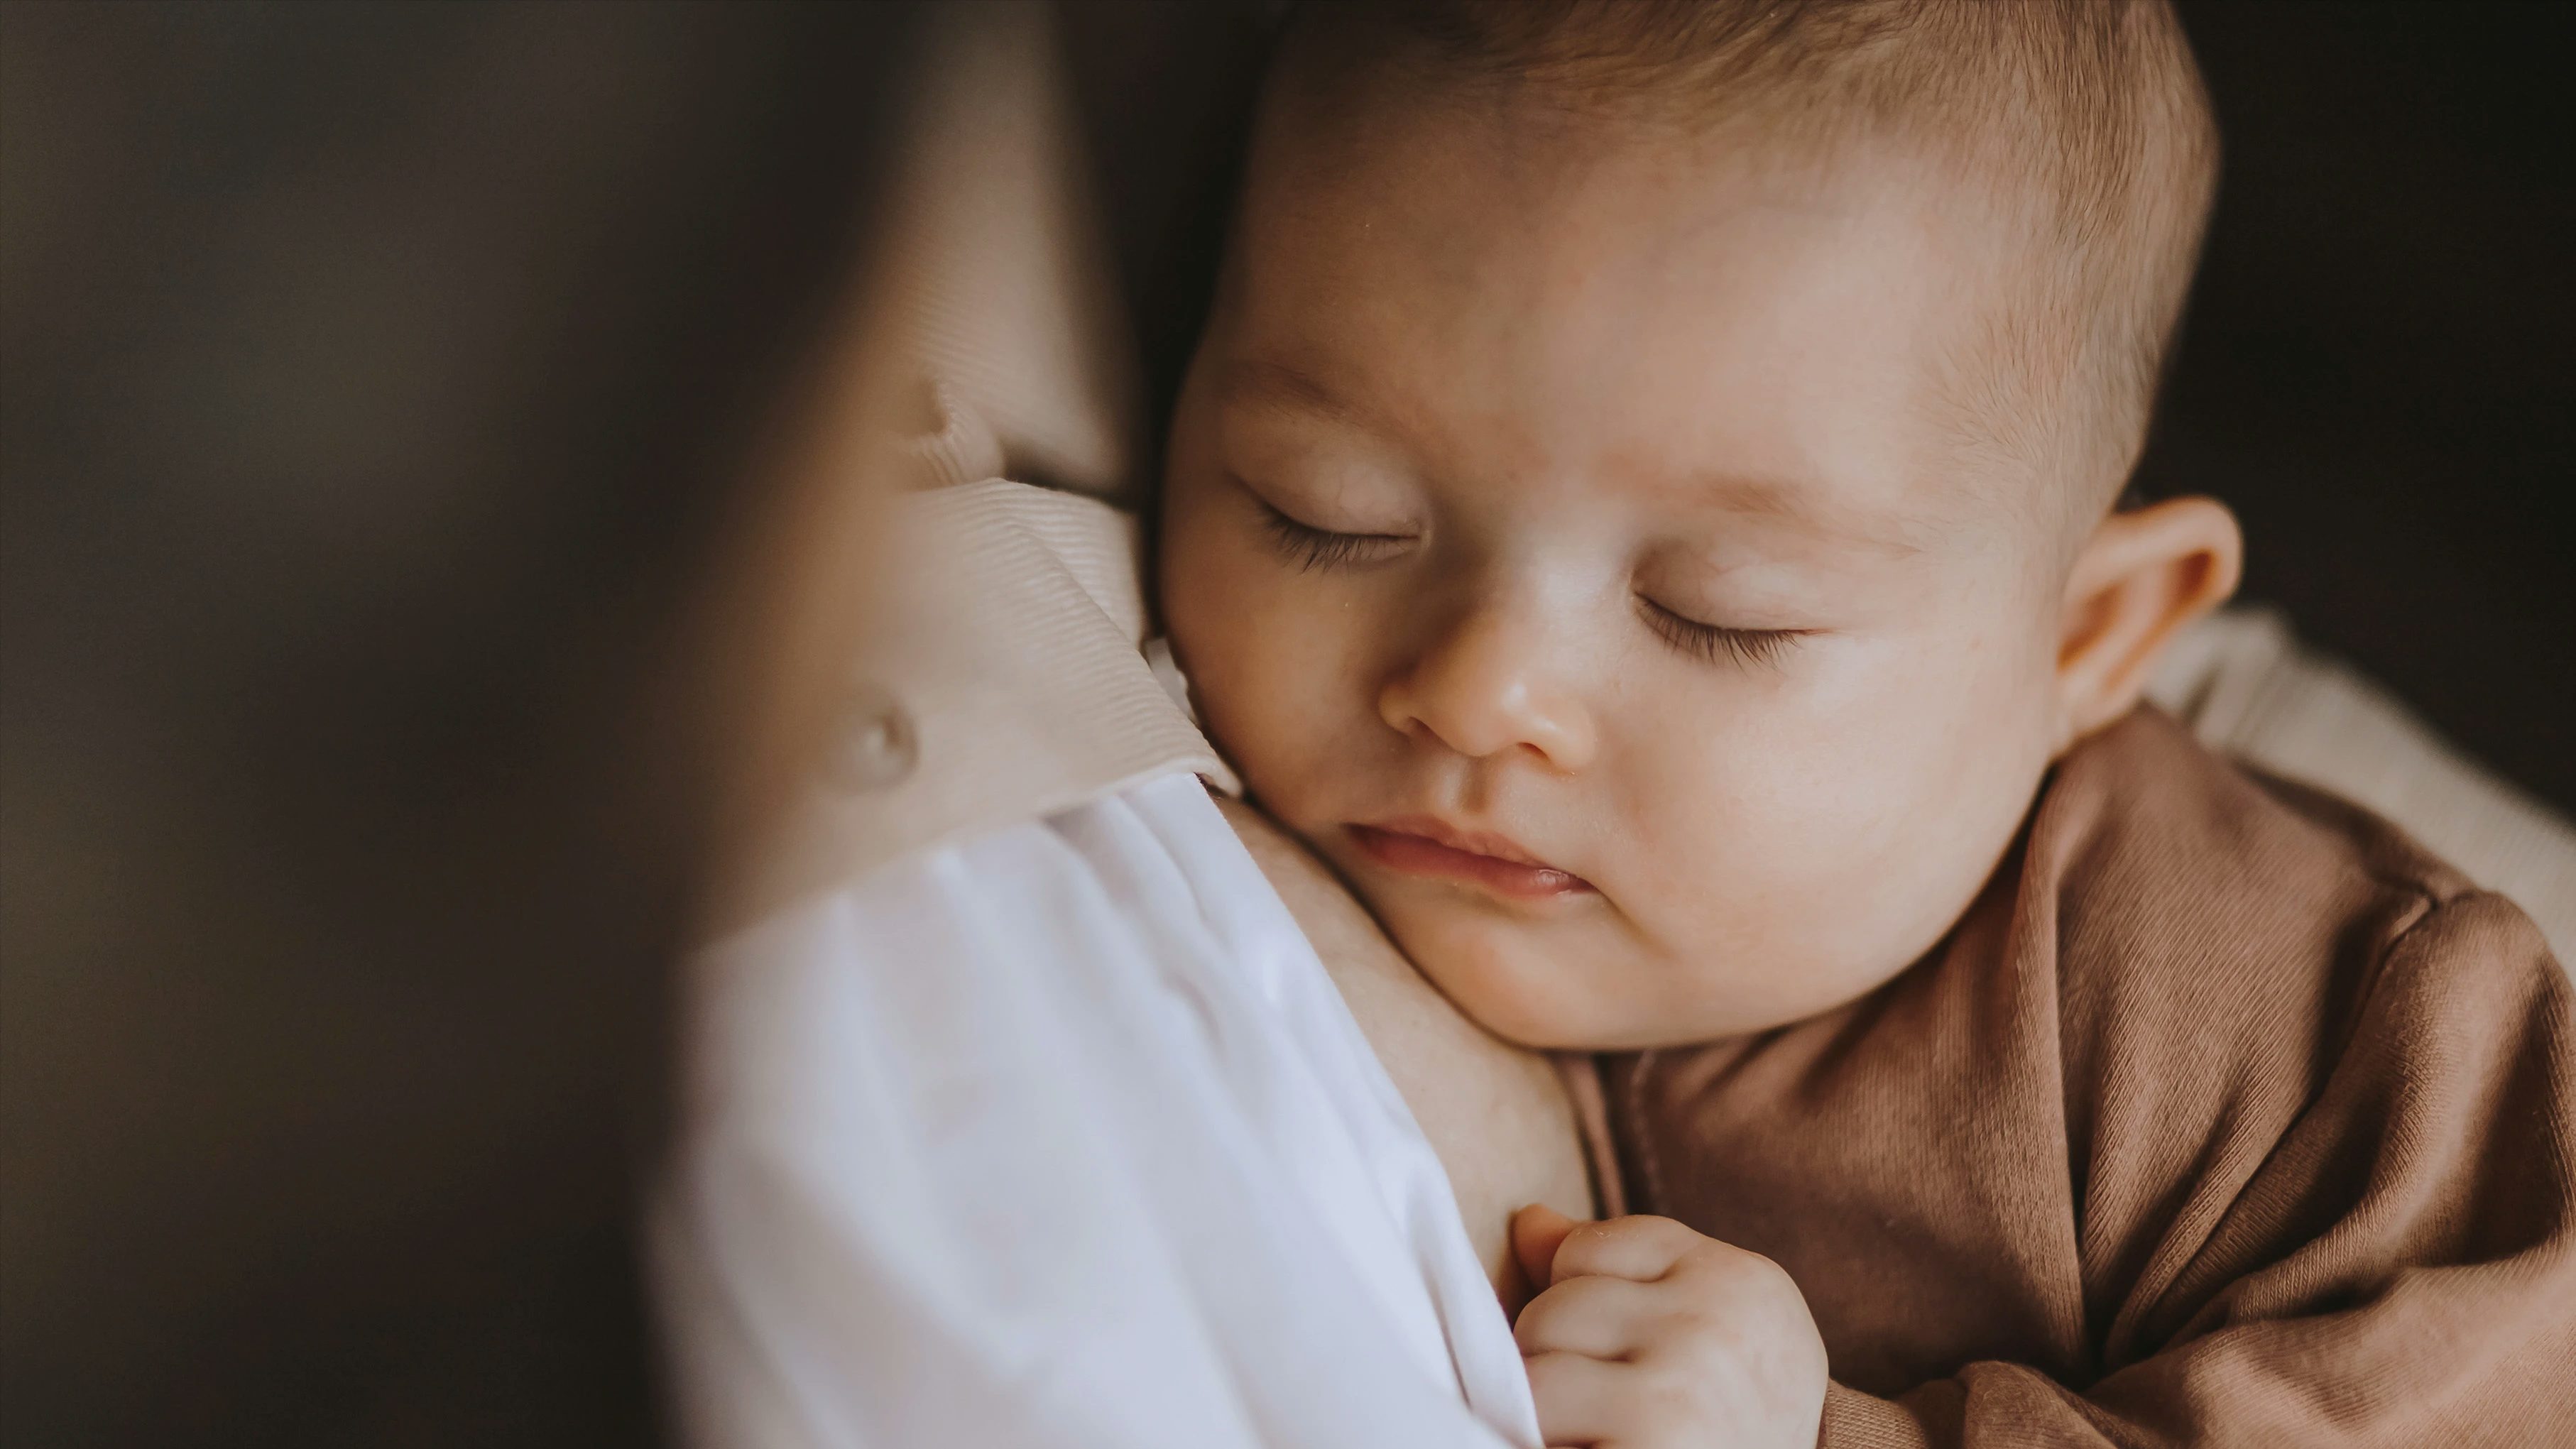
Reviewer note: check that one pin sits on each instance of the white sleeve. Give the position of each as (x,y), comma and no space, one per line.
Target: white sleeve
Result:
(1063,1137)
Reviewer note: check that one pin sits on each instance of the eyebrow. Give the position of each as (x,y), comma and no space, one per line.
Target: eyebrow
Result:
(1899,536)
(1264,382)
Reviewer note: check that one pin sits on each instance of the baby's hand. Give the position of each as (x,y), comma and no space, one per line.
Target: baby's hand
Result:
(1647,1334)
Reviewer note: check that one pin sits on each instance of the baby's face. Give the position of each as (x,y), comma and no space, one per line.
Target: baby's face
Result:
(1565,535)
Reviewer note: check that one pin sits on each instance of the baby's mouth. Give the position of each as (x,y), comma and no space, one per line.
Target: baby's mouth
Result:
(1420,845)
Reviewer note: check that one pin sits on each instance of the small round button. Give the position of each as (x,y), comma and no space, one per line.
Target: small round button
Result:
(879,747)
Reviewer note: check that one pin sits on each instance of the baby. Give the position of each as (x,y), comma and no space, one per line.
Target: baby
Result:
(1643,509)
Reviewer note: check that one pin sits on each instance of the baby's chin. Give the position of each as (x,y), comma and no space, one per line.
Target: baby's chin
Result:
(1530,987)
(1555,990)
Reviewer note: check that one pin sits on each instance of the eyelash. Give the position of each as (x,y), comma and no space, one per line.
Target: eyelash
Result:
(1715,643)
(1311,548)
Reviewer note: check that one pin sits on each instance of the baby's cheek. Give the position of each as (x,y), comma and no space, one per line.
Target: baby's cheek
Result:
(1216,616)
(1763,857)
(1264,725)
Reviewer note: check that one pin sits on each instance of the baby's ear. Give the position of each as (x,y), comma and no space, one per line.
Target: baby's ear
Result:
(2142,575)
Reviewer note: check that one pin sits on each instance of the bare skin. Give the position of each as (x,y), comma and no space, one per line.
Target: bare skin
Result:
(1495,1112)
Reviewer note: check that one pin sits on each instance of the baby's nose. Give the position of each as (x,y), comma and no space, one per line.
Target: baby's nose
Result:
(1484,691)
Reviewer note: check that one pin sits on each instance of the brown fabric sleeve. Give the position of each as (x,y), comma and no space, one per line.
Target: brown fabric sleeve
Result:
(1581,1074)
(2401,1269)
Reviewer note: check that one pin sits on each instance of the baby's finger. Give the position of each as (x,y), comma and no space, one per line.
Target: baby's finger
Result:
(1580,1399)
(1639,1248)
(1603,1317)
(1537,1230)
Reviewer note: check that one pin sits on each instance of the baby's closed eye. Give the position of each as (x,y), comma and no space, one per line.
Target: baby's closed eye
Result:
(1311,548)
(1718,643)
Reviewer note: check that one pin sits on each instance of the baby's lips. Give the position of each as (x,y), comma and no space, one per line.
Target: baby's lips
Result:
(1419,854)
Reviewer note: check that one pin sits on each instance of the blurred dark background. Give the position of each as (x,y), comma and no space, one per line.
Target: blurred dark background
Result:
(2378,370)
(375,383)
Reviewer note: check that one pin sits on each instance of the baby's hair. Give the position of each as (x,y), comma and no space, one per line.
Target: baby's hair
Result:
(2088,113)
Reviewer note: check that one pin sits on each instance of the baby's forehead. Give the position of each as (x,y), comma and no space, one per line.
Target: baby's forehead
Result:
(1603,192)
(1662,312)
(2065,150)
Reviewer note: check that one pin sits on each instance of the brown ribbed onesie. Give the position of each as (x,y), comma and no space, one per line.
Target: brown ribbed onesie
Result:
(2225,1116)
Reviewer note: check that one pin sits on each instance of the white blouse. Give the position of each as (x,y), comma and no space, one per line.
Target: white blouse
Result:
(1061,1135)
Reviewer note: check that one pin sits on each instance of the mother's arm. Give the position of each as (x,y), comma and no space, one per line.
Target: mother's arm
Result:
(1495,1113)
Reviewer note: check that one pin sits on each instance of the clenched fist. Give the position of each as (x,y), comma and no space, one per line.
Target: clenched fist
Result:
(1645,1334)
